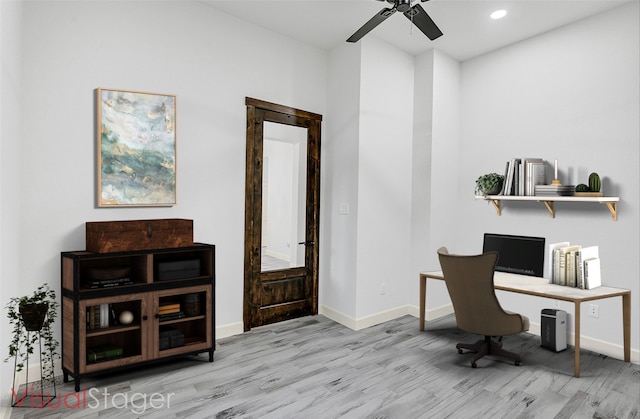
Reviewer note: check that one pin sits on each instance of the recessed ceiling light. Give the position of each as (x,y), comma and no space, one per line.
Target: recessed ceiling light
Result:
(498,14)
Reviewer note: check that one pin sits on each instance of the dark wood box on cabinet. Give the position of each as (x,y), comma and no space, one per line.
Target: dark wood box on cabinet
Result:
(127,236)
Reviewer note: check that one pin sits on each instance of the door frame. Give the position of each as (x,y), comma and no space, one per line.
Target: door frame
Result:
(259,111)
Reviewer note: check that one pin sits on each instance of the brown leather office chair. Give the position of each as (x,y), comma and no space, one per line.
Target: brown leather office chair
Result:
(469,281)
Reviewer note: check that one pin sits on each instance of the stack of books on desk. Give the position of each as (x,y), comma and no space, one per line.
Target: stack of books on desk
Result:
(575,266)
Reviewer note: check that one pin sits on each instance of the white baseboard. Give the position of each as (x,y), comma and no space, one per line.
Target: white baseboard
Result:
(592,344)
(596,345)
(374,319)
(432,314)
(363,322)
(229,330)
(354,324)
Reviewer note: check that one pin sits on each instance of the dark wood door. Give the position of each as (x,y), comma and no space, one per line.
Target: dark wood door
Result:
(282,206)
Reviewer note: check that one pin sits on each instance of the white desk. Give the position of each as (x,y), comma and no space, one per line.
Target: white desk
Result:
(541,287)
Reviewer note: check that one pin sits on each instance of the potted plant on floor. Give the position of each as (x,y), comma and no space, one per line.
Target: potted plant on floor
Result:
(31,318)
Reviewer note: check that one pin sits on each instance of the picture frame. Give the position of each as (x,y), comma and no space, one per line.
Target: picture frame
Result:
(136,148)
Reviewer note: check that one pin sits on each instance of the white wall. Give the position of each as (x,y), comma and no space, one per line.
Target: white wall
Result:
(384,178)
(445,155)
(421,166)
(10,82)
(339,184)
(368,152)
(436,168)
(571,94)
(210,60)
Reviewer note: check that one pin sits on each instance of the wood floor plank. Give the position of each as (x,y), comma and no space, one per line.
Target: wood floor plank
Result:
(315,368)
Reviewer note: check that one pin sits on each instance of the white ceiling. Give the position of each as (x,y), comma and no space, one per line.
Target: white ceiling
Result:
(468,30)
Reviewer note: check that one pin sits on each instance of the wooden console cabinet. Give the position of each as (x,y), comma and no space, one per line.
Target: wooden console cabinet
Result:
(169,294)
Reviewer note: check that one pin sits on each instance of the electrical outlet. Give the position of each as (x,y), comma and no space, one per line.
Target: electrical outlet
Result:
(593,310)
(383,288)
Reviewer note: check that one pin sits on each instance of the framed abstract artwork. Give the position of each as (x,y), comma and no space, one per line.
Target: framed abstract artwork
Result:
(136,134)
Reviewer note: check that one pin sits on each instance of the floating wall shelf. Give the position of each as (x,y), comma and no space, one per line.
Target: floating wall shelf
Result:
(610,201)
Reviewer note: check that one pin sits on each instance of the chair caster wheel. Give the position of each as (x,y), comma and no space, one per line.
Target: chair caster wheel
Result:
(460,351)
(517,363)
(474,365)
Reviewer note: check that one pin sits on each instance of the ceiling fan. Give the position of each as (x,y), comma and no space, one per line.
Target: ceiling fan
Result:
(415,14)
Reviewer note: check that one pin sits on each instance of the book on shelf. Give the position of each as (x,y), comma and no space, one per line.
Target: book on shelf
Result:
(171,316)
(516,177)
(504,181)
(106,283)
(103,353)
(535,174)
(100,316)
(554,190)
(592,277)
(584,254)
(508,179)
(521,175)
(552,262)
(169,308)
(104,316)
(95,317)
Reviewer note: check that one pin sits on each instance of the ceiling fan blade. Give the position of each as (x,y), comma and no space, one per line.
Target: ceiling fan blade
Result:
(421,19)
(380,17)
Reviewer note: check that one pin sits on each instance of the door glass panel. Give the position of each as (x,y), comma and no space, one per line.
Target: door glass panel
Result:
(284,190)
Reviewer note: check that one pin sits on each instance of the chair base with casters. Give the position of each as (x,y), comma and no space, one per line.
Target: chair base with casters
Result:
(485,347)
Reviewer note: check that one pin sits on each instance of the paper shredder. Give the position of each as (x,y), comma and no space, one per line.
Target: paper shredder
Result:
(553,329)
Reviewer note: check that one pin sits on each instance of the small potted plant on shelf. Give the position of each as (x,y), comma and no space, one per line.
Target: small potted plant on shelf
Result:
(489,184)
(31,318)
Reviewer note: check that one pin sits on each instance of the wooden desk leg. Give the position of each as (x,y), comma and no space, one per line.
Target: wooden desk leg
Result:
(626,325)
(576,359)
(423,299)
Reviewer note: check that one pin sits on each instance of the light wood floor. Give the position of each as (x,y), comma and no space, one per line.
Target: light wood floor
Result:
(315,368)
(272,263)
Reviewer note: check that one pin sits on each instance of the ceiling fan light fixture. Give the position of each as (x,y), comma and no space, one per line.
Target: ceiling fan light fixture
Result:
(416,14)
(498,14)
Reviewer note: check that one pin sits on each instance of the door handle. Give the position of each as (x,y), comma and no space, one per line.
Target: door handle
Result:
(309,243)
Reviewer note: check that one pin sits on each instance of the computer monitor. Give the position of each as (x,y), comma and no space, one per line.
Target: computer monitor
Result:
(516,254)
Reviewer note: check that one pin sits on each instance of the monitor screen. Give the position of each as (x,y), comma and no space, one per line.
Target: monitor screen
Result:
(516,254)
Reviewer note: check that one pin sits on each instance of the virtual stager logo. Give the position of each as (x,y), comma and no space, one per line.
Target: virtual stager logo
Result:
(93,398)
